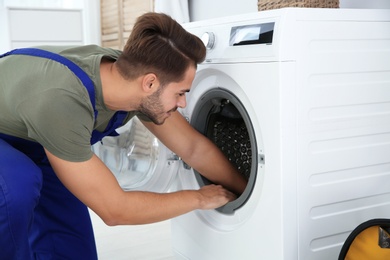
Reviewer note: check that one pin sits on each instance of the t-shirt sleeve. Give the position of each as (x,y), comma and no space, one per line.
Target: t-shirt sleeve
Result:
(61,121)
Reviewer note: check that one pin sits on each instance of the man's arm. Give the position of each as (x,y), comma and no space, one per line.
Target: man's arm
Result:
(94,184)
(198,152)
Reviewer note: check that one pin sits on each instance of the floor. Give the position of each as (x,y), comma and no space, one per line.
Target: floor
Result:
(143,242)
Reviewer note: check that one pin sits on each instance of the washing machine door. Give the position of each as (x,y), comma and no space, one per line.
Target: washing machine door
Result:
(137,159)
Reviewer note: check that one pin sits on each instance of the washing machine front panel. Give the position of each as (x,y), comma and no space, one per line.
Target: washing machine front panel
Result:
(257,213)
(270,208)
(215,97)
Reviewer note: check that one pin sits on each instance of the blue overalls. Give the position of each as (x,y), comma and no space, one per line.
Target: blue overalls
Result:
(39,217)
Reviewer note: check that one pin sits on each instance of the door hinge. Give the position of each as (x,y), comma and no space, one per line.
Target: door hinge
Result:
(174,158)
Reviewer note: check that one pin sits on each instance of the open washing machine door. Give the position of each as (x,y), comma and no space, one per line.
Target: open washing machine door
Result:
(137,159)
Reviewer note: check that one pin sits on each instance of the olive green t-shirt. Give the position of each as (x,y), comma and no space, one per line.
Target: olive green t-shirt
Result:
(43,101)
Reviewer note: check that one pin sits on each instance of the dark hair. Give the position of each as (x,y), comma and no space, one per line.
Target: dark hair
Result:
(158,44)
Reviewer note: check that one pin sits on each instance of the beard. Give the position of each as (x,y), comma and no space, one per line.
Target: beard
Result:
(152,107)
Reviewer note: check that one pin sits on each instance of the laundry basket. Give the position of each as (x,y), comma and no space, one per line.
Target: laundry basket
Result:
(275,4)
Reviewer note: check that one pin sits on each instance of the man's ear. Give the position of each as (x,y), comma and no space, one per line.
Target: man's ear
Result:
(150,83)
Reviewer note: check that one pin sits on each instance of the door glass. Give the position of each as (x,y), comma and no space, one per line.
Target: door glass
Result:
(132,156)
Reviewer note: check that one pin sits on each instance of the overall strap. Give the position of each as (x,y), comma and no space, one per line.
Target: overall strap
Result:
(84,78)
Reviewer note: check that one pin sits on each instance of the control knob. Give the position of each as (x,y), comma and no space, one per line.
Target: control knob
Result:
(208,39)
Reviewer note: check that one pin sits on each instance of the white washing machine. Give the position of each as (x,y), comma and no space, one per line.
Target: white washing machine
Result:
(312,88)
(299,100)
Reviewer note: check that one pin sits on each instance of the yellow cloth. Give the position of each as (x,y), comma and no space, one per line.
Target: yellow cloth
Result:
(365,246)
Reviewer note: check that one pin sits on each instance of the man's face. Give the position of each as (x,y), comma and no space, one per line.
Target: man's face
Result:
(159,105)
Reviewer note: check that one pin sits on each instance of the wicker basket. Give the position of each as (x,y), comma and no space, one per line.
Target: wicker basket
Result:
(275,4)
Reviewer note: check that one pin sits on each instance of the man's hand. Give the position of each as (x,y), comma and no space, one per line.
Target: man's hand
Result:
(214,196)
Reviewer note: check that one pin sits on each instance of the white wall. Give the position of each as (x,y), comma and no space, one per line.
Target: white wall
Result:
(4,33)
(205,9)
(371,4)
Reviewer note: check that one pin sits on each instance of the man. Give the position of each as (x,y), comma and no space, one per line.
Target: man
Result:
(57,101)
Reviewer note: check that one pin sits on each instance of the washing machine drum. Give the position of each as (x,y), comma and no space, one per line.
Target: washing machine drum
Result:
(221,117)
